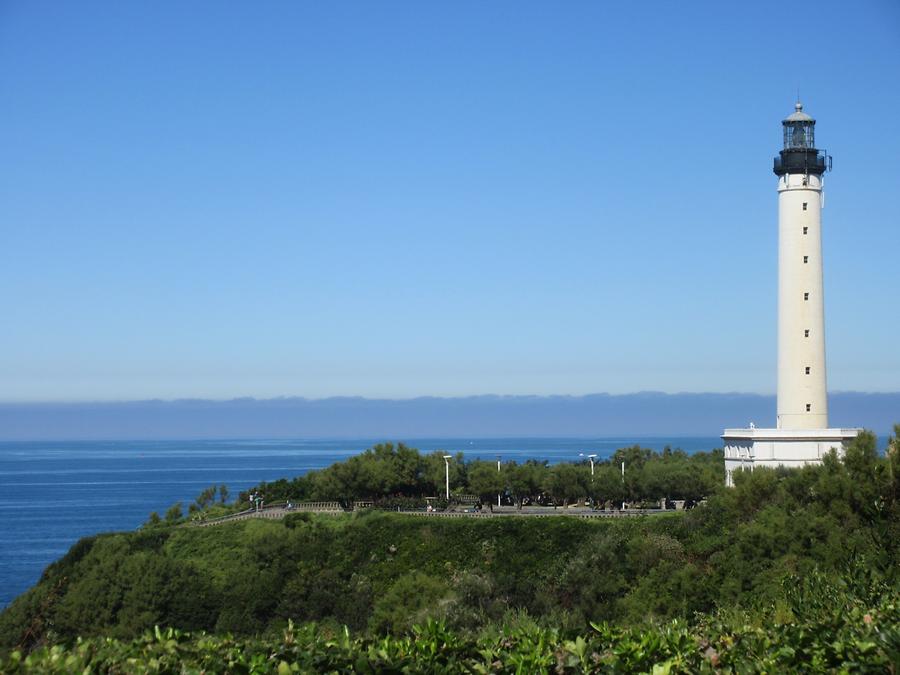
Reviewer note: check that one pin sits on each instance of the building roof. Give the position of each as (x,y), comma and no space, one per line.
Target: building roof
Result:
(798,115)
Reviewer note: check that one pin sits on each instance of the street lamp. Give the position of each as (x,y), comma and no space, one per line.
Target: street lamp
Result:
(447,459)
(591,459)
(498,471)
(623,482)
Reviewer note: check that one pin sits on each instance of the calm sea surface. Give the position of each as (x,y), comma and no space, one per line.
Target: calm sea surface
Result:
(53,493)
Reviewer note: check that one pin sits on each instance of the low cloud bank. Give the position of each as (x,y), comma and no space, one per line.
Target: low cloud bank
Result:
(600,415)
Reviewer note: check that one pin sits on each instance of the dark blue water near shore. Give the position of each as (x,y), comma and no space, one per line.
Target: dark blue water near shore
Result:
(53,493)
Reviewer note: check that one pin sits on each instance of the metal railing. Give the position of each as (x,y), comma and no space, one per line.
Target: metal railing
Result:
(279,510)
(798,161)
(273,511)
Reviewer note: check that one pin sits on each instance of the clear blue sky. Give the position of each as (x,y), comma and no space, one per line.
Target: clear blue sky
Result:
(207,199)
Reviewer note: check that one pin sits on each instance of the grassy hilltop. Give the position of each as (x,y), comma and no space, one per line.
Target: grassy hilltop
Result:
(814,547)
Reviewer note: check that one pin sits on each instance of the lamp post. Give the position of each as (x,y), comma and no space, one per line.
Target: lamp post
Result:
(447,473)
(591,459)
(623,483)
(498,471)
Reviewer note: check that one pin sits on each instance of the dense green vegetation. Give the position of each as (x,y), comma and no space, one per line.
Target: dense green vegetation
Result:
(784,565)
(826,626)
(390,474)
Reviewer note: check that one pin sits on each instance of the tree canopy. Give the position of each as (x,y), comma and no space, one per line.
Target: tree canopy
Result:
(387,472)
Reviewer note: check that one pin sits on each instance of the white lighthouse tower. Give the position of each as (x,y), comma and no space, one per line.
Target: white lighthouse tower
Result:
(801,434)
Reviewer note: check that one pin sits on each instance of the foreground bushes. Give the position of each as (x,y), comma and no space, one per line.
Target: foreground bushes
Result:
(848,636)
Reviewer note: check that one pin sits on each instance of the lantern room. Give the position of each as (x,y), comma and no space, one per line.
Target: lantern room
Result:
(799,130)
(800,154)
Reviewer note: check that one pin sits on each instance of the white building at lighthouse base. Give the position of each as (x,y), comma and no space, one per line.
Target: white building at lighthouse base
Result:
(747,449)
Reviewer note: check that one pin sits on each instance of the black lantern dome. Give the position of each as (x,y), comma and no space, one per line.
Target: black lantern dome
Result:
(800,154)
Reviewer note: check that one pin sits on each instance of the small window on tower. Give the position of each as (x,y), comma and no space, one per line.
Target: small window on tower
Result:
(806,296)
(804,206)
(805,230)
(806,333)
(807,370)
(808,407)
(806,258)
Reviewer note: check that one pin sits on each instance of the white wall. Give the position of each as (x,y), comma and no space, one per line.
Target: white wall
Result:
(796,351)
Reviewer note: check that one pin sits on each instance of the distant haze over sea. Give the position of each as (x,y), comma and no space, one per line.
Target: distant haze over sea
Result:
(594,415)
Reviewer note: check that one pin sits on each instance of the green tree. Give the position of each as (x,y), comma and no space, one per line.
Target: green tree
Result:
(411,600)
(865,469)
(566,482)
(174,514)
(527,479)
(206,497)
(485,481)
(432,473)
(634,457)
(607,484)
(861,456)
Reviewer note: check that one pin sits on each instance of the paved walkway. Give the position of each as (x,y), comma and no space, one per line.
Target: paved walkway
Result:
(279,511)
(275,512)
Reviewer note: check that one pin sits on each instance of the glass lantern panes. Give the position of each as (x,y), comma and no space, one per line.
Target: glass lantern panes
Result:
(799,135)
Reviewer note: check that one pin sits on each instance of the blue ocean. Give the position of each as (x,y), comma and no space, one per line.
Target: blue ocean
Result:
(54,493)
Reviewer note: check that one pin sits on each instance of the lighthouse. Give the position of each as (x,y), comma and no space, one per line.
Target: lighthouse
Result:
(801,434)
(802,400)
